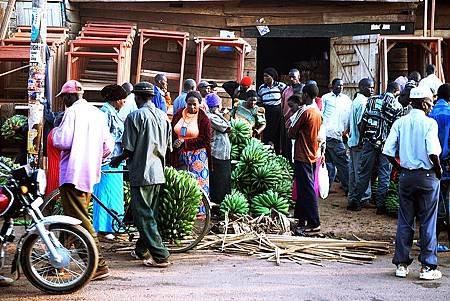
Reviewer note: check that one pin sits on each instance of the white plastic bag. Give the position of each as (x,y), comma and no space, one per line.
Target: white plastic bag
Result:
(324,182)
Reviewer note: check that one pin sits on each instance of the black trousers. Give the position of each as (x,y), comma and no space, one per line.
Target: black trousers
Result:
(306,207)
(219,180)
(274,126)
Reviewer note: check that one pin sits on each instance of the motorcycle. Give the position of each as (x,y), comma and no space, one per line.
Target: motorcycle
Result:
(56,254)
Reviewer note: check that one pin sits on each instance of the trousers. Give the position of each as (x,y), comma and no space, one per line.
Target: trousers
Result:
(419,194)
(306,206)
(353,179)
(75,203)
(336,157)
(369,156)
(144,206)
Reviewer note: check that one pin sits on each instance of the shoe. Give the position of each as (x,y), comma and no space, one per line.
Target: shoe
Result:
(426,273)
(137,257)
(5,281)
(109,236)
(312,230)
(101,273)
(353,208)
(401,271)
(381,210)
(150,262)
(299,231)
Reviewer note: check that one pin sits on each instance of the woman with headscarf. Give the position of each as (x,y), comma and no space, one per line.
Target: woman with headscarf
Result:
(220,181)
(110,188)
(270,93)
(248,111)
(192,140)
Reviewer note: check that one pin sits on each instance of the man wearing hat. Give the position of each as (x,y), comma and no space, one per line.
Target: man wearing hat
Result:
(204,88)
(146,138)
(84,140)
(415,138)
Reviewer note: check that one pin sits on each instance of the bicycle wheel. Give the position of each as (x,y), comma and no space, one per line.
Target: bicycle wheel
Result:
(52,204)
(201,227)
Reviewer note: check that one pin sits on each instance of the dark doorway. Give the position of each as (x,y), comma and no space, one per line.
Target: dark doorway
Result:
(309,55)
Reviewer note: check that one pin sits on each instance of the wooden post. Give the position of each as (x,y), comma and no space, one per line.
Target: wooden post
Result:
(425,18)
(6,18)
(36,81)
(183,61)
(433,12)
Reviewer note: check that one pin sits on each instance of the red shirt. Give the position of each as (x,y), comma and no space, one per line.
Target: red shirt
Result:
(305,132)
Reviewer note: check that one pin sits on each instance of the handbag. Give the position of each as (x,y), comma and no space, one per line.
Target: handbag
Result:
(324,181)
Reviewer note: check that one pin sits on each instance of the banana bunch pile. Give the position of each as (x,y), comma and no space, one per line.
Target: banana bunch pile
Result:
(179,205)
(259,170)
(235,204)
(240,134)
(392,199)
(264,203)
(8,128)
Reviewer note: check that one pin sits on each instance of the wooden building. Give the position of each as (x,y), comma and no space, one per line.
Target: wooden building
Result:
(323,39)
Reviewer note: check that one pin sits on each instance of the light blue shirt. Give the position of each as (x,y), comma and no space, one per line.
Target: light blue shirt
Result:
(415,137)
(356,113)
(130,106)
(180,102)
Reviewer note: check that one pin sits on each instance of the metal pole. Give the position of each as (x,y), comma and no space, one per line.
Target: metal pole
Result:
(36,81)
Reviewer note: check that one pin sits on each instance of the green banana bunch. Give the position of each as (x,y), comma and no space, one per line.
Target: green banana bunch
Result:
(179,205)
(8,128)
(392,199)
(4,173)
(235,204)
(241,132)
(264,203)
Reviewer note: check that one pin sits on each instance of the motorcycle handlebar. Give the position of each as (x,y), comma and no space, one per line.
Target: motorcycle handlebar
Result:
(4,166)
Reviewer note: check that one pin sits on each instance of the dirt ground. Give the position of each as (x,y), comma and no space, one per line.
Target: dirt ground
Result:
(214,276)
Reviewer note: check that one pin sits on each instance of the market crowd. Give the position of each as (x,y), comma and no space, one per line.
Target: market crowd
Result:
(358,139)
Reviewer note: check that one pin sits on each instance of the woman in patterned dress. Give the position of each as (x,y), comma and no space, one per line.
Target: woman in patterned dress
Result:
(192,140)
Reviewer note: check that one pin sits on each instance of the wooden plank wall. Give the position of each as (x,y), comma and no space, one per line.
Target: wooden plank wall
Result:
(206,19)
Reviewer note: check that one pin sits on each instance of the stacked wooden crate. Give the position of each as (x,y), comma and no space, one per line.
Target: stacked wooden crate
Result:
(101,55)
(14,60)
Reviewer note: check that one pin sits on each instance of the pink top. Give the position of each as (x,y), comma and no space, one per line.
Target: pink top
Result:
(84,140)
(191,126)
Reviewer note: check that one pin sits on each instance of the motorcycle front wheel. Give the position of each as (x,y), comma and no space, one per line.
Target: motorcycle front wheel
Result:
(79,259)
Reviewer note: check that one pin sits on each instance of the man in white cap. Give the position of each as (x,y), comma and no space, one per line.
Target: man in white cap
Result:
(84,140)
(415,138)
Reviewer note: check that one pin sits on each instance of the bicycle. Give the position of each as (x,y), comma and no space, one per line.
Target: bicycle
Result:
(52,205)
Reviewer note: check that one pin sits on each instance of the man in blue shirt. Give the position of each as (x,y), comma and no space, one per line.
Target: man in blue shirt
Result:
(366,87)
(180,102)
(415,138)
(441,113)
(160,90)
